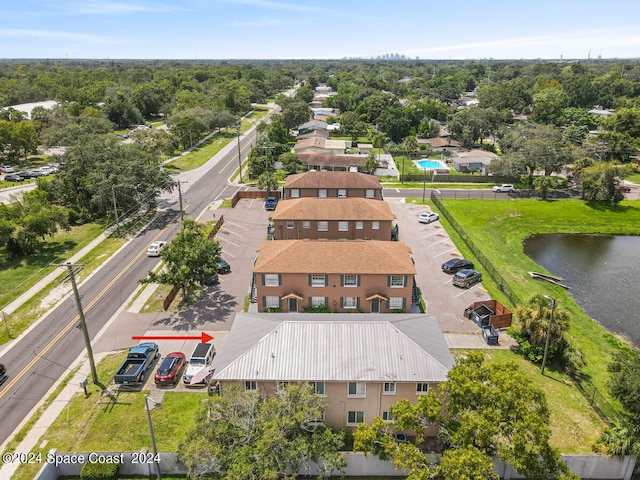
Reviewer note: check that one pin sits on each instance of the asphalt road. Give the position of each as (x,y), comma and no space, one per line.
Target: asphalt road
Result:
(44,353)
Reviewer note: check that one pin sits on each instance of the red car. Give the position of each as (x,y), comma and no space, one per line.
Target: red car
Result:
(170,369)
(623,188)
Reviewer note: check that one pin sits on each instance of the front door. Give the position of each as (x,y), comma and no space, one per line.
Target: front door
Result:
(293,305)
(375,305)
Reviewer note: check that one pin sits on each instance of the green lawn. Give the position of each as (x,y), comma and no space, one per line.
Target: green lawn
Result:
(499,227)
(95,424)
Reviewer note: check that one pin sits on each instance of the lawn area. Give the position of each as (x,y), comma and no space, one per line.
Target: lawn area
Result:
(95,424)
(499,228)
(574,424)
(17,275)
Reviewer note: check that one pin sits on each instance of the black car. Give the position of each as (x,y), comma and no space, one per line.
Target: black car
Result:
(223,266)
(270,203)
(13,178)
(467,277)
(28,174)
(456,264)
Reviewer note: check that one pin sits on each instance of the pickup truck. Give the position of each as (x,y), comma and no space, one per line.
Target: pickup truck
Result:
(138,361)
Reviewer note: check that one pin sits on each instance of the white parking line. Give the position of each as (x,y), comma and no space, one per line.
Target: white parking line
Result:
(220,194)
(227,254)
(236,225)
(446,251)
(437,243)
(232,232)
(431,234)
(228,241)
(466,290)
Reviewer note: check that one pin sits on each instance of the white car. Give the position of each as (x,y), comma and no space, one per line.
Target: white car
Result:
(428,217)
(155,248)
(7,169)
(504,188)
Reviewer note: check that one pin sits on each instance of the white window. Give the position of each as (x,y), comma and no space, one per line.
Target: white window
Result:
(350,280)
(322,193)
(323,225)
(342,193)
(272,301)
(282,387)
(389,388)
(318,280)
(357,390)
(395,303)
(369,193)
(306,224)
(318,302)
(271,280)
(355,417)
(343,226)
(422,388)
(375,225)
(349,302)
(250,386)
(318,388)
(387,416)
(359,225)
(295,193)
(396,281)
(290,224)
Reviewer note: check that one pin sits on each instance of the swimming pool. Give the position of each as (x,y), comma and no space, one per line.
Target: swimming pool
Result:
(431,165)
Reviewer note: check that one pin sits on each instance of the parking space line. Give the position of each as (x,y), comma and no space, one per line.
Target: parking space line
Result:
(229,241)
(220,194)
(227,253)
(431,234)
(231,231)
(446,251)
(236,225)
(437,243)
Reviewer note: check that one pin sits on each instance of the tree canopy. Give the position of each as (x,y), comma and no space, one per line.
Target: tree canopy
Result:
(250,435)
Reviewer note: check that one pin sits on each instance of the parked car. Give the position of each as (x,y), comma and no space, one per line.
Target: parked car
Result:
(13,178)
(504,188)
(170,370)
(26,174)
(270,203)
(201,358)
(155,248)
(138,361)
(428,217)
(466,277)
(7,169)
(223,266)
(456,264)
(623,188)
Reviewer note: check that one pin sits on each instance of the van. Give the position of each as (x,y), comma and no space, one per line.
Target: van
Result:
(201,357)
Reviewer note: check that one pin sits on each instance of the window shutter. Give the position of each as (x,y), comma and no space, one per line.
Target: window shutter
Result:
(388,280)
(404,303)
(310,302)
(406,279)
(358,280)
(279,279)
(342,280)
(310,280)
(341,302)
(279,302)
(357,302)
(326,280)
(263,278)
(326,302)
(264,302)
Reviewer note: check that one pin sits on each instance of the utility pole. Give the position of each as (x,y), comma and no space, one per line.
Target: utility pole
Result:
(156,460)
(73,269)
(266,158)
(180,201)
(115,209)
(239,152)
(546,343)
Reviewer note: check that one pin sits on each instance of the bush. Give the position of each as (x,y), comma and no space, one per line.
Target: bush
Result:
(316,309)
(99,471)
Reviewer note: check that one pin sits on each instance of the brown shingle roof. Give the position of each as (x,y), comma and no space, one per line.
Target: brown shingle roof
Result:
(311,208)
(317,142)
(332,180)
(442,142)
(354,256)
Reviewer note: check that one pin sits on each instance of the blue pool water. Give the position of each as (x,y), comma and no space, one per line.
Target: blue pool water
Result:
(431,165)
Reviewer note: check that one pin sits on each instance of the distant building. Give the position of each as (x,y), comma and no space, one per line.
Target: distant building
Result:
(332,185)
(26,108)
(472,161)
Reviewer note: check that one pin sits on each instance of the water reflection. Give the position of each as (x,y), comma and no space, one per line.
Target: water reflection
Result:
(602,271)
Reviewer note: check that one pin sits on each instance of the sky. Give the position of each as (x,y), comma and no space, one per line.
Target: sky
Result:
(321,29)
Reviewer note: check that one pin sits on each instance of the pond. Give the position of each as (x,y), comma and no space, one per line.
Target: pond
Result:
(603,273)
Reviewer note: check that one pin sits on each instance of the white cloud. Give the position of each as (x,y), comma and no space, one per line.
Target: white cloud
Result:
(290,7)
(27,33)
(117,8)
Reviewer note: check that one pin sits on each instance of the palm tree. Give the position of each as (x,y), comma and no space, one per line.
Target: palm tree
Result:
(379,140)
(267,181)
(535,317)
(410,146)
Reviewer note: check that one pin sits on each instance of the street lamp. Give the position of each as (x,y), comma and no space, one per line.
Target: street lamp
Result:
(546,343)
(156,459)
(239,152)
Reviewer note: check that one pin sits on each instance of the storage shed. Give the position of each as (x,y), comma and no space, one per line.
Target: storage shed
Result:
(489,312)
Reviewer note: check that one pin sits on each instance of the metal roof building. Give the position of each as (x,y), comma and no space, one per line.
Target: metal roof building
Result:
(334,347)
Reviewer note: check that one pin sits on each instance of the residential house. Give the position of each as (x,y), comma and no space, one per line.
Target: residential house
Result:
(440,144)
(334,184)
(361,364)
(332,219)
(355,276)
(312,125)
(473,160)
(323,161)
(318,133)
(365,148)
(320,144)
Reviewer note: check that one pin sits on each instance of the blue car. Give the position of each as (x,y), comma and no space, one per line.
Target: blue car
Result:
(270,203)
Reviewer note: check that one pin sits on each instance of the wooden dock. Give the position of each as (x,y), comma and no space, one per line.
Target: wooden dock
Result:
(549,278)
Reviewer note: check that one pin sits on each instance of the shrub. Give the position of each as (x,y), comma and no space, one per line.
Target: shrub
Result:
(99,471)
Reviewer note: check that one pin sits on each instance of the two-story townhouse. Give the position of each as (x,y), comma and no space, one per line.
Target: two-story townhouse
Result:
(361,364)
(354,276)
(332,185)
(332,219)
(323,161)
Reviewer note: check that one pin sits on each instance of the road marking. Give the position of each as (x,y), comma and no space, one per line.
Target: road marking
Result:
(220,194)
(229,241)
(437,243)
(445,252)
(75,319)
(237,225)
